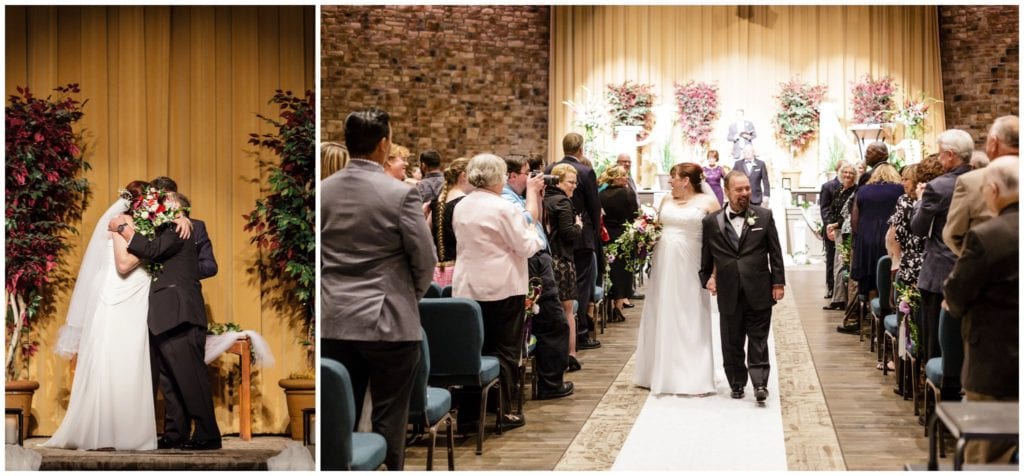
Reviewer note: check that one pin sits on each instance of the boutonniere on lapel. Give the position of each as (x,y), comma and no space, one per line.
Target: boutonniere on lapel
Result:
(751,218)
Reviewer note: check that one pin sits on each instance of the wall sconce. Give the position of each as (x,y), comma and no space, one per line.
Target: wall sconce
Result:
(309,426)
(14,421)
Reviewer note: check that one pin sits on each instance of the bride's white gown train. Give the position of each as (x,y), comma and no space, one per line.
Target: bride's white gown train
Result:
(674,352)
(112,395)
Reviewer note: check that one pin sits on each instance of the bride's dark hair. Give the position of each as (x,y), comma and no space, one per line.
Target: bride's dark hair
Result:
(134,191)
(692,172)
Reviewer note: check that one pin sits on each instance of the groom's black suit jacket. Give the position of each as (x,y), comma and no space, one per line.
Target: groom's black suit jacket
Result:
(755,267)
(175,297)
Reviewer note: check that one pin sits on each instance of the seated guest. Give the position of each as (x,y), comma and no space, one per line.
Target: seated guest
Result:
(564,228)
(838,218)
(441,209)
(549,324)
(333,157)
(872,209)
(620,208)
(494,244)
(983,292)
(396,162)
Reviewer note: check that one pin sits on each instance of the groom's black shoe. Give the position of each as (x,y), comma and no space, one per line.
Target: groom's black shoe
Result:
(167,444)
(737,393)
(761,394)
(199,445)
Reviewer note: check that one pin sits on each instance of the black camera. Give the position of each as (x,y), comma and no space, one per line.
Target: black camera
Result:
(549,180)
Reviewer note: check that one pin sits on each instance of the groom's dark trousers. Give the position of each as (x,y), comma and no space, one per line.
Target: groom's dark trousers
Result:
(177,335)
(750,327)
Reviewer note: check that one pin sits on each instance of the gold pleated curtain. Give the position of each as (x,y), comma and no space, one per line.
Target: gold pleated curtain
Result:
(748,51)
(174,91)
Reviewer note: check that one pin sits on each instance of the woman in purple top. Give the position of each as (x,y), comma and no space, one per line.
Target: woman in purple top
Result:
(714,174)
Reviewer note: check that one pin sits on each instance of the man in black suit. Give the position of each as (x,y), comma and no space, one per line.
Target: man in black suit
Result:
(585,202)
(207,262)
(177,328)
(983,291)
(741,256)
(757,172)
(828,192)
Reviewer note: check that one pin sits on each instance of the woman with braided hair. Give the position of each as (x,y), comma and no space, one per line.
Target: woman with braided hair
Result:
(455,188)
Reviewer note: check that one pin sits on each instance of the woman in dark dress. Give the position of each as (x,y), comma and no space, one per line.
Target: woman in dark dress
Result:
(564,226)
(440,219)
(874,204)
(620,208)
(714,174)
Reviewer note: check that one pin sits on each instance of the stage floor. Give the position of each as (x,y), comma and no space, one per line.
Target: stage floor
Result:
(236,455)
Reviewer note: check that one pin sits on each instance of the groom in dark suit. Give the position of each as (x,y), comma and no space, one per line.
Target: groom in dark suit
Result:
(177,334)
(741,257)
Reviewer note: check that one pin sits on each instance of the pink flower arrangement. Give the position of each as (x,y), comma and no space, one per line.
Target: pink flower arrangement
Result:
(697,104)
(913,113)
(797,119)
(873,100)
(630,104)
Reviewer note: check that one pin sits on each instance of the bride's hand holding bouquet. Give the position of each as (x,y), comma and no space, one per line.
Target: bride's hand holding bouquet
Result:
(636,244)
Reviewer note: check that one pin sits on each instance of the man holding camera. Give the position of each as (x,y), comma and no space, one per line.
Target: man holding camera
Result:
(585,201)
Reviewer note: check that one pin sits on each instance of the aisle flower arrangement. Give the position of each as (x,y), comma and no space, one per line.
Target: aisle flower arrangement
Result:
(909,299)
(636,244)
(697,105)
(873,101)
(796,122)
(912,114)
(631,104)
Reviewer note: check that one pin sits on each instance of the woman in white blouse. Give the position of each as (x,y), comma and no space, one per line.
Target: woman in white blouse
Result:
(494,243)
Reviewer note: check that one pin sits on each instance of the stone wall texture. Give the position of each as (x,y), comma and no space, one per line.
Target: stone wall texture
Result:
(458,79)
(980,65)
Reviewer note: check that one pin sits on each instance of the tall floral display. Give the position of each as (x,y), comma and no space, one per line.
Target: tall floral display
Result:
(631,104)
(591,116)
(45,194)
(912,114)
(283,221)
(796,121)
(873,100)
(697,104)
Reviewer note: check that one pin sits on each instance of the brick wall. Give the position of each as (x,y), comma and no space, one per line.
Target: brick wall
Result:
(459,79)
(980,65)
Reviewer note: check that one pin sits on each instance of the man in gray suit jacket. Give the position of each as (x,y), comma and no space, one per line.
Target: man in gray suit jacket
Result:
(377,260)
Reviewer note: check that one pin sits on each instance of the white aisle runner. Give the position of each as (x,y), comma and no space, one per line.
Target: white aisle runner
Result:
(709,433)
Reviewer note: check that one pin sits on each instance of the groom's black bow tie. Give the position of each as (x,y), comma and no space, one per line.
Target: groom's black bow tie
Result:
(730,215)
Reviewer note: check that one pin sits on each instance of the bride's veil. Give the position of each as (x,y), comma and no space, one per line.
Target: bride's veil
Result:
(97,262)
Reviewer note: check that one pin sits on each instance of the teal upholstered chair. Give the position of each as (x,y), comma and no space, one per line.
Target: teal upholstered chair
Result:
(446,291)
(431,406)
(944,368)
(455,328)
(434,291)
(344,449)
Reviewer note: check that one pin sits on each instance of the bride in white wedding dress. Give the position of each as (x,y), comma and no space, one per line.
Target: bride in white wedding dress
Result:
(674,351)
(111,404)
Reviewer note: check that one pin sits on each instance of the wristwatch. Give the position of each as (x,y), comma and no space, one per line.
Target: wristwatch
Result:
(120,228)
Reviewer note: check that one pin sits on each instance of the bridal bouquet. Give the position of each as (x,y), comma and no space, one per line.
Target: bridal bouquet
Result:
(150,213)
(637,241)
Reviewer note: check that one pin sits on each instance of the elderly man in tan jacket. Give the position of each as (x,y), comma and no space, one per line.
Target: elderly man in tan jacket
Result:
(968,206)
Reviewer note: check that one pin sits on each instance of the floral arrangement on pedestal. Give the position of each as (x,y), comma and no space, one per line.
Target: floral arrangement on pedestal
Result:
(283,221)
(636,244)
(590,115)
(912,114)
(631,104)
(697,105)
(796,121)
(45,193)
(873,100)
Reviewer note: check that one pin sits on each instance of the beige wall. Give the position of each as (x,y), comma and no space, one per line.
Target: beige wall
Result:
(747,50)
(175,91)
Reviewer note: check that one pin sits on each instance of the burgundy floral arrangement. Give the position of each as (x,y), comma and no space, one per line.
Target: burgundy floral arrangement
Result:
(697,104)
(631,104)
(45,194)
(873,100)
(796,122)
